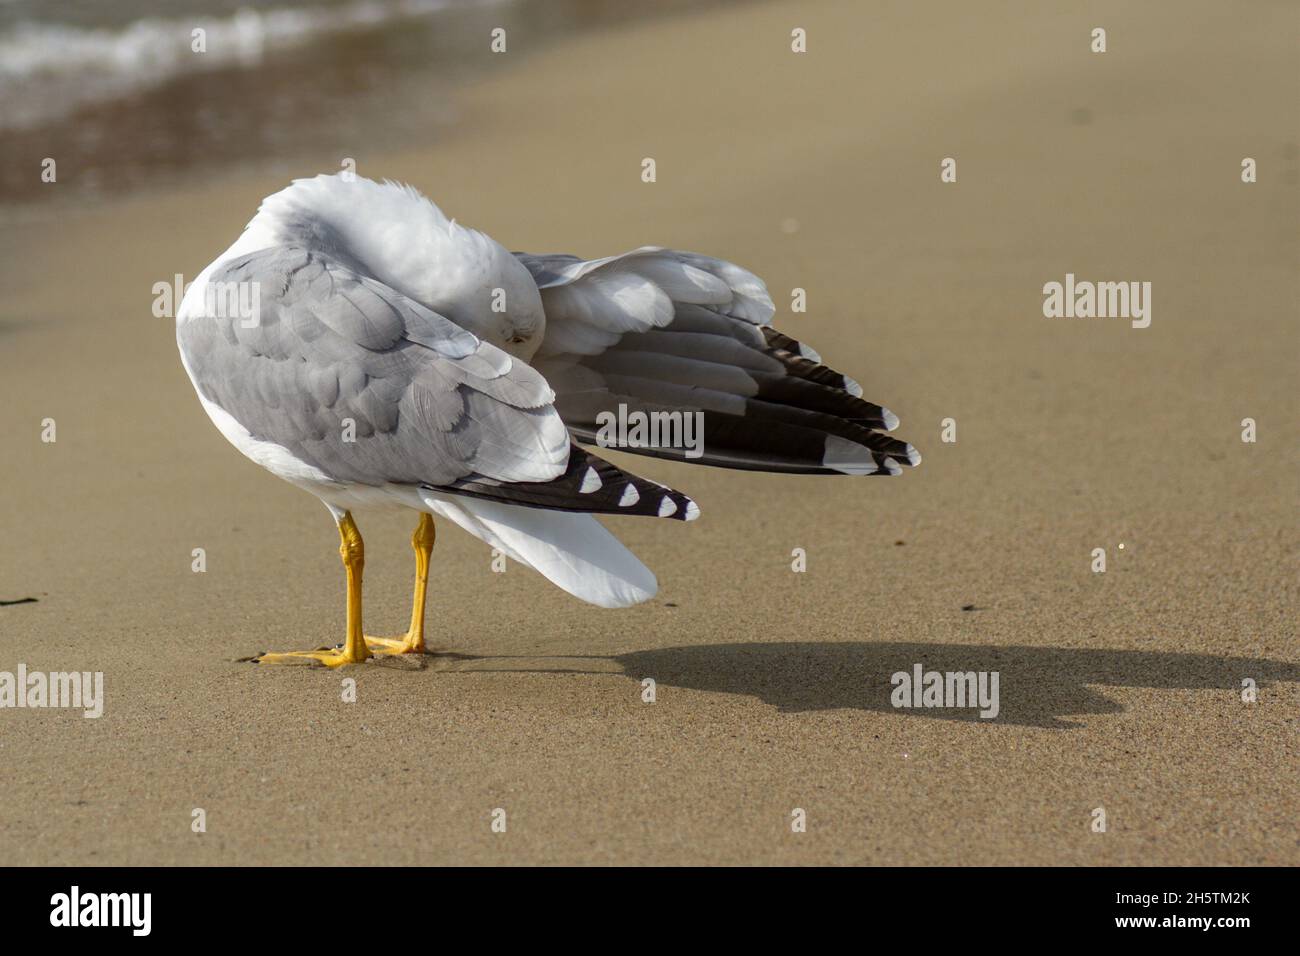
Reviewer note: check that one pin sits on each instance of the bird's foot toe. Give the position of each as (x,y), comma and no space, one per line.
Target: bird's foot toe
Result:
(406,644)
(329,656)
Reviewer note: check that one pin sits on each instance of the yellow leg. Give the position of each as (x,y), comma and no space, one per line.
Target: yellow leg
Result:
(354,649)
(413,641)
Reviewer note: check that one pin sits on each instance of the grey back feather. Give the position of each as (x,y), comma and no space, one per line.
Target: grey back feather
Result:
(429,403)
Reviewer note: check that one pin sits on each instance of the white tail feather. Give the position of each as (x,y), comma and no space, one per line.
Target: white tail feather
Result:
(572,551)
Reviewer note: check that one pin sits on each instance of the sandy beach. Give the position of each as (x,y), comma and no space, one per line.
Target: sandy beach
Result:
(820,171)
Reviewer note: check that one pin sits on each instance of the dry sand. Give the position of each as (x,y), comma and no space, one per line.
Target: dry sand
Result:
(1119,690)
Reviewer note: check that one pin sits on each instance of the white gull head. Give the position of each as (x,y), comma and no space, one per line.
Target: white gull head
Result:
(395,234)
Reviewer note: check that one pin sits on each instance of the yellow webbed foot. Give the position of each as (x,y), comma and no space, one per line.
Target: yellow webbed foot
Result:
(329,656)
(406,644)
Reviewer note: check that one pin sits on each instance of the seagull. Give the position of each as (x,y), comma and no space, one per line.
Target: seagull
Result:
(357,343)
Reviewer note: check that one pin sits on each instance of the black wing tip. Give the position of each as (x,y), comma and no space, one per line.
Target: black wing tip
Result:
(618,492)
(589,485)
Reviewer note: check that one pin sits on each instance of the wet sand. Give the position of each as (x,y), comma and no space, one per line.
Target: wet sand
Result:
(820,171)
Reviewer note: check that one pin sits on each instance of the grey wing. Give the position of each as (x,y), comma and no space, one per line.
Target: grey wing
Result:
(661,330)
(370,387)
(366,385)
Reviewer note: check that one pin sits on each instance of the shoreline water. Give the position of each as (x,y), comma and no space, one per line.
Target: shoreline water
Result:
(134,108)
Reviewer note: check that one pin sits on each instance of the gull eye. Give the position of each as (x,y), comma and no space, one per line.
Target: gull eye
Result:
(516,339)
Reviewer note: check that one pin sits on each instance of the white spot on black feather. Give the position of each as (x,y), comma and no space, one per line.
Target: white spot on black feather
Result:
(848,458)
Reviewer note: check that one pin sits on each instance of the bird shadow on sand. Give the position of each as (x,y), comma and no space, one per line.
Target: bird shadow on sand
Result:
(1038,686)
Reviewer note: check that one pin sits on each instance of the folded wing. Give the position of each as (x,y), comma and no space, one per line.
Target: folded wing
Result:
(369,387)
